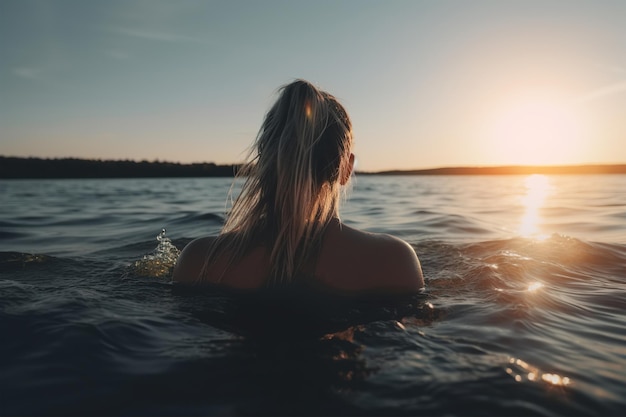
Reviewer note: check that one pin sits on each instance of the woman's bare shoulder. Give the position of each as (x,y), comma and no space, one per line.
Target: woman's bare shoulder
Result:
(403,265)
(191,260)
(376,262)
(395,262)
(249,271)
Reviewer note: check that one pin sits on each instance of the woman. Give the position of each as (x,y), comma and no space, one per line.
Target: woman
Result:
(284,228)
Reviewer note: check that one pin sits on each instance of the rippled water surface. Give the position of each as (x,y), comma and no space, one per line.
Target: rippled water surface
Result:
(524,312)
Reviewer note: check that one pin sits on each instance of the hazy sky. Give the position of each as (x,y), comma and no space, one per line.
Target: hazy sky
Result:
(427,83)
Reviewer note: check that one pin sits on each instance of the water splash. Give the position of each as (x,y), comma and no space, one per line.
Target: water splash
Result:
(160,262)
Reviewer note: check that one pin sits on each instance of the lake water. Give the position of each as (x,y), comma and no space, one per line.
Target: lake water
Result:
(524,314)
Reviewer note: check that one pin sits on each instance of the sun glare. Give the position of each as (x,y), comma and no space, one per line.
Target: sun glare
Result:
(537,189)
(536,132)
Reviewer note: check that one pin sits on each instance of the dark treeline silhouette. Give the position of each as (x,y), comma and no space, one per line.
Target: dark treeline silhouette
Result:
(513,170)
(11,167)
(14,168)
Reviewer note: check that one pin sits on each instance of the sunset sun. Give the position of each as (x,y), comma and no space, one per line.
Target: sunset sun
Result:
(536,132)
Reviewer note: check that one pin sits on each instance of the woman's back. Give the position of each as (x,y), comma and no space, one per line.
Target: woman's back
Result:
(349,262)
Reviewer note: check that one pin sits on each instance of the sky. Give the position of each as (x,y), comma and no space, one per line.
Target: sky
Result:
(427,83)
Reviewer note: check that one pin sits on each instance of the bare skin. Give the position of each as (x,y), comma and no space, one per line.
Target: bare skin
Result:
(350,262)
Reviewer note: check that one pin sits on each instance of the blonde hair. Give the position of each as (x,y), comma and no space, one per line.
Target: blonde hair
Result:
(291,190)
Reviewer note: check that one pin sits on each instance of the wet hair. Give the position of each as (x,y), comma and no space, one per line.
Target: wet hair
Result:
(292,181)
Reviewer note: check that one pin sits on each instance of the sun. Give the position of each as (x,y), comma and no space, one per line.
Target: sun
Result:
(536,132)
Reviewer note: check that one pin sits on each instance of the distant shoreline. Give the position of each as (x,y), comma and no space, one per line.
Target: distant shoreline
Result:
(513,170)
(38,168)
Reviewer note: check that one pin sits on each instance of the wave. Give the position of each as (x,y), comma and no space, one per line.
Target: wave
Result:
(509,326)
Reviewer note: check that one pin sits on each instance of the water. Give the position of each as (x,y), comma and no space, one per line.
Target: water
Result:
(524,313)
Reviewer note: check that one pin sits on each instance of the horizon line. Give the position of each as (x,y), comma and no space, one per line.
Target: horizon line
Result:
(526,169)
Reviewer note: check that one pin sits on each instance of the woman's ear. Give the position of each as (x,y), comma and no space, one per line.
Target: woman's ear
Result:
(348,171)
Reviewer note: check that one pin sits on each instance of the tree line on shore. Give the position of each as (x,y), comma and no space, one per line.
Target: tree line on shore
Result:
(517,170)
(16,168)
(13,167)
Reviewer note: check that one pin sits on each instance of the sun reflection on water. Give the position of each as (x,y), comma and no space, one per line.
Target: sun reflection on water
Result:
(537,189)
(521,370)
